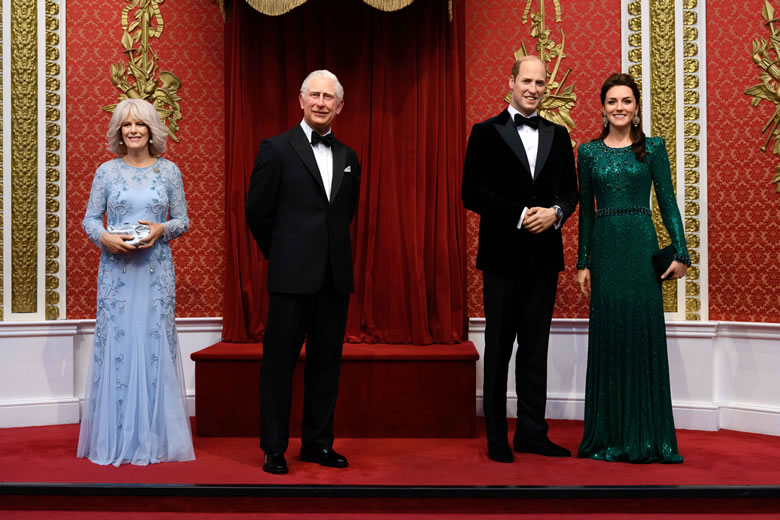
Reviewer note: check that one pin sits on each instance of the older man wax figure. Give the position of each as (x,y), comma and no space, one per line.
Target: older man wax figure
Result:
(302,197)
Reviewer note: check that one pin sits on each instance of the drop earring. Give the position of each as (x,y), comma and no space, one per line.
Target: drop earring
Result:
(604,120)
(635,121)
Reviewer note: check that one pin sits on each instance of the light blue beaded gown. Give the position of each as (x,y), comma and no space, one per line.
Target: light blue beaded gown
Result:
(134,408)
(628,405)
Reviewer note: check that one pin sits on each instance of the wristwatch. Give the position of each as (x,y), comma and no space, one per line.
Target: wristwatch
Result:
(558,212)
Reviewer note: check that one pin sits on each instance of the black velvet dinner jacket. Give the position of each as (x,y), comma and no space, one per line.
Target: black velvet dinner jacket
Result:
(288,212)
(497,184)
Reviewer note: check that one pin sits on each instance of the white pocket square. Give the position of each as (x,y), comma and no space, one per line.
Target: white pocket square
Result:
(348,169)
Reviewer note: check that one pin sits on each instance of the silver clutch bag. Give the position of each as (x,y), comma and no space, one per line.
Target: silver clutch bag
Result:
(138,231)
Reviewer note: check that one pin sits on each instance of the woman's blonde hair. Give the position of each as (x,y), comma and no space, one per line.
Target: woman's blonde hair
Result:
(143,110)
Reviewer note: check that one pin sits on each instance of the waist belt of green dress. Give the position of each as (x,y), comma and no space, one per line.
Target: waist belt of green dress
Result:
(611,212)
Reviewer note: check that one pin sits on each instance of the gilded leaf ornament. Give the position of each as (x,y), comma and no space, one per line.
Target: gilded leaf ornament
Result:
(141,77)
(766,56)
(558,100)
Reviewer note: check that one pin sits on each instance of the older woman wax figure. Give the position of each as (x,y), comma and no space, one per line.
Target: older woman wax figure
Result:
(134,408)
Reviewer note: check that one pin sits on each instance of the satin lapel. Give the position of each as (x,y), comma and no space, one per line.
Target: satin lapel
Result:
(546,133)
(339,163)
(303,148)
(508,133)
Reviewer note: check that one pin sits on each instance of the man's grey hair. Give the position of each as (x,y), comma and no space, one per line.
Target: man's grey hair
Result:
(327,75)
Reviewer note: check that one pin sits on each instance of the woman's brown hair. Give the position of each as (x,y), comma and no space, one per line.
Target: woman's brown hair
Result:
(637,135)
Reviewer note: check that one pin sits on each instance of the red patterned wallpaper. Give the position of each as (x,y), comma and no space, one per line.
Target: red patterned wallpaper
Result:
(744,210)
(493,32)
(744,231)
(191,46)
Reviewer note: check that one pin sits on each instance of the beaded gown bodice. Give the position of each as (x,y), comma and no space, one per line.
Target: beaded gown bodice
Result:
(621,186)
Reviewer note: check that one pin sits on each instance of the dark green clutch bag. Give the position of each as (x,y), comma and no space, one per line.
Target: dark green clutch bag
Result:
(662,259)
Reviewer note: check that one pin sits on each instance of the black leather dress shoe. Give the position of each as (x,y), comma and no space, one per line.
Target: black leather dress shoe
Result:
(324,457)
(541,446)
(274,463)
(500,453)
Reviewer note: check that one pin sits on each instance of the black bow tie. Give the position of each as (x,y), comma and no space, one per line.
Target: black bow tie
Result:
(531,122)
(327,140)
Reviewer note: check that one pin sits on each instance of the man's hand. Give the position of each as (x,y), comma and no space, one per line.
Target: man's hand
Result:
(539,219)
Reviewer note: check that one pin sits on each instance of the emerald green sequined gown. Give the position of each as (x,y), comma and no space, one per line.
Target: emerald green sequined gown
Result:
(628,407)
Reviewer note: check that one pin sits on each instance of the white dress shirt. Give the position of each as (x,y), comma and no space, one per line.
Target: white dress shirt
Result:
(530,139)
(324,157)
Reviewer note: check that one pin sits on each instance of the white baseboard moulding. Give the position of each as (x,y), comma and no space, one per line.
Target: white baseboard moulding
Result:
(723,374)
(43,367)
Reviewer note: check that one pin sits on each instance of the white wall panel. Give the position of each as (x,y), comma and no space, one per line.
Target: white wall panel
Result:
(722,374)
(43,367)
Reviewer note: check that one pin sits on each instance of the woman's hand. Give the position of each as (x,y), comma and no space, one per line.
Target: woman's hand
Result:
(156,231)
(116,243)
(583,280)
(676,270)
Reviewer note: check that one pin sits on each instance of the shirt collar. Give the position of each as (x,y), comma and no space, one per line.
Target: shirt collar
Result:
(512,111)
(308,130)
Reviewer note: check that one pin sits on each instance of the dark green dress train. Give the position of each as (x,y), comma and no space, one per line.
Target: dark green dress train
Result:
(628,406)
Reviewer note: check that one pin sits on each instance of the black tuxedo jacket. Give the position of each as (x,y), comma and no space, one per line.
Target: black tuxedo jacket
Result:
(497,184)
(296,227)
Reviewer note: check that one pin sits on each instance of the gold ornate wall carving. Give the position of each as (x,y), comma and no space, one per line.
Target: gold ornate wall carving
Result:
(634,10)
(692,130)
(24,153)
(54,151)
(30,179)
(766,56)
(558,100)
(663,109)
(142,21)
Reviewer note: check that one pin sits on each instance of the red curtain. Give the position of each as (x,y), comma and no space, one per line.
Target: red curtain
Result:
(404,114)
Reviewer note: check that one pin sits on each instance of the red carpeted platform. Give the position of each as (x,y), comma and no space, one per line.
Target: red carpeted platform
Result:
(723,473)
(723,458)
(384,391)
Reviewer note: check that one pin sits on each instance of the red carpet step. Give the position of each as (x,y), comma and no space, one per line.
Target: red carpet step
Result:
(384,391)
(725,474)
